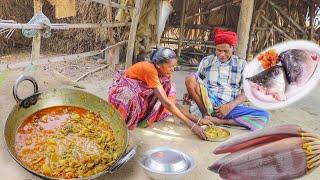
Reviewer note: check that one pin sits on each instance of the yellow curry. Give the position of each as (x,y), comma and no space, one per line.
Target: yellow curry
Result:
(66,142)
(214,132)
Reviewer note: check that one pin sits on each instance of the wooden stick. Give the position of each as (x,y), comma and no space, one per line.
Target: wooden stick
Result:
(47,60)
(62,26)
(189,44)
(276,27)
(198,26)
(182,23)
(65,80)
(91,72)
(111,4)
(256,17)
(280,11)
(70,57)
(4,31)
(211,10)
(317,36)
(267,36)
(36,41)
(188,41)
(312,17)
(10,33)
(133,30)
(115,45)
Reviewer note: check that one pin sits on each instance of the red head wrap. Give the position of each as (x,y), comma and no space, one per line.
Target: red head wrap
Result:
(221,37)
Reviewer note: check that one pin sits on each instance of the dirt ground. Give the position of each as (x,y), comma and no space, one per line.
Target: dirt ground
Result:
(169,133)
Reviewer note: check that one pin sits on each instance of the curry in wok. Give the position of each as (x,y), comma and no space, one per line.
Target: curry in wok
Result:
(66,142)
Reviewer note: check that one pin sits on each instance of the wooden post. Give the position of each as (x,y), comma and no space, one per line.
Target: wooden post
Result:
(133,31)
(36,41)
(181,34)
(244,24)
(312,16)
(112,56)
(256,15)
(157,23)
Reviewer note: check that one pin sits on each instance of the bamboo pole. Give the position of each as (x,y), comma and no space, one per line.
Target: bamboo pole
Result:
(187,43)
(211,10)
(293,22)
(181,32)
(111,4)
(187,40)
(65,80)
(159,5)
(46,60)
(61,26)
(115,45)
(312,17)
(244,24)
(256,16)
(133,31)
(91,72)
(36,41)
(268,29)
(276,28)
(198,26)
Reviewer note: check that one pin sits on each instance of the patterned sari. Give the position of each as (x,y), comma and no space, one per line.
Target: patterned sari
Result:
(136,103)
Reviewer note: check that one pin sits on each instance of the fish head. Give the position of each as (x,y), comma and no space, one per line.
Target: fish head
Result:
(270,82)
(299,65)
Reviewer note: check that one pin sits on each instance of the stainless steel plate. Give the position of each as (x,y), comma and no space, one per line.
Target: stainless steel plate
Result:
(166,160)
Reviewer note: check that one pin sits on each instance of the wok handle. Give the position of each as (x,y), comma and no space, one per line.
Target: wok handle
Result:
(20,80)
(125,158)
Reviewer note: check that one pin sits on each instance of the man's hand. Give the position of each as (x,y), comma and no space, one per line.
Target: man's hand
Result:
(207,120)
(223,110)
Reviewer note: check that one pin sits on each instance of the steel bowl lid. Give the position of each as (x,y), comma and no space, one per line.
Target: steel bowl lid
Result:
(166,160)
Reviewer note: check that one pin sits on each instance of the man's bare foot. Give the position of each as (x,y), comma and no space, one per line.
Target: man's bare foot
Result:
(218,121)
(215,120)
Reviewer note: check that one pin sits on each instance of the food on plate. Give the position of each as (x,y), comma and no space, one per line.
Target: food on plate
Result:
(269,59)
(66,142)
(215,132)
(299,65)
(270,82)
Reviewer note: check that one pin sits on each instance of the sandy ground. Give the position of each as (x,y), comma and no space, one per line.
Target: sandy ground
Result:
(169,133)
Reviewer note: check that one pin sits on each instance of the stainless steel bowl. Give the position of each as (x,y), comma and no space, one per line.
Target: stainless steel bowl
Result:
(166,163)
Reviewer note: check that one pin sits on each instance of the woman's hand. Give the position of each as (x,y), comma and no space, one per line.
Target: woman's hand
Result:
(199,131)
(207,120)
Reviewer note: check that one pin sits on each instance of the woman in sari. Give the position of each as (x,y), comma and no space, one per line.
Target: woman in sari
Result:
(145,94)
